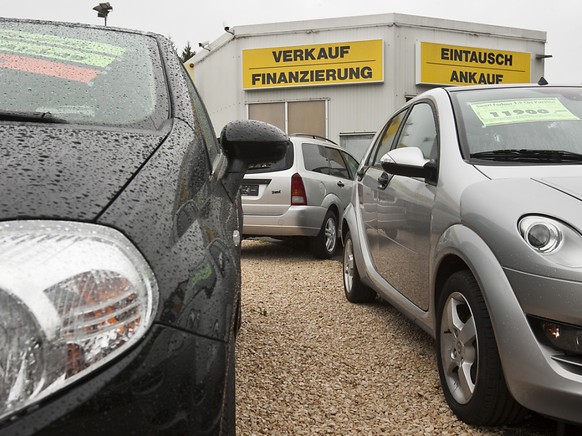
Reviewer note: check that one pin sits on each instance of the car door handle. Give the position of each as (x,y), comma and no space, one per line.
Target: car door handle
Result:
(383,180)
(340,184)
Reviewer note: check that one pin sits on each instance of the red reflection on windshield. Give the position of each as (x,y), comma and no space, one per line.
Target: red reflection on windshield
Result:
(47,68)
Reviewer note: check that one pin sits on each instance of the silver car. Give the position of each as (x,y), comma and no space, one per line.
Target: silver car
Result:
(302,195)
(466,215)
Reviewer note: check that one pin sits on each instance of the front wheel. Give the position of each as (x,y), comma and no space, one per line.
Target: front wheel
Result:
(324,244)
(468,361)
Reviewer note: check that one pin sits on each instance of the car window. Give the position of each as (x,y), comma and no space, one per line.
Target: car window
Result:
(351,163)
(315,158)
(387,138)
(522,120)
(202,119)
(420,131)
(282,164)
(82,75)
(337,164)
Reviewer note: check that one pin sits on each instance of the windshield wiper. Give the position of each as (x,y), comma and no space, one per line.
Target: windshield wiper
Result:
(35,117)
(528,155)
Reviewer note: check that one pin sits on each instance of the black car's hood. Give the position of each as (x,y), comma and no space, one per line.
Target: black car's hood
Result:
(65,172)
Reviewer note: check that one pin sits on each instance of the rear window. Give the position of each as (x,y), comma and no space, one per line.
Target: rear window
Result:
(81,75)
(282,164)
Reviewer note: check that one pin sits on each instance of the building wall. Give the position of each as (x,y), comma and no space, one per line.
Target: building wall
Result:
(351,108)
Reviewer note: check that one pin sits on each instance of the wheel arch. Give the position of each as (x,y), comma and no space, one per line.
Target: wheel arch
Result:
(462,248)
(331,202)
(448,265)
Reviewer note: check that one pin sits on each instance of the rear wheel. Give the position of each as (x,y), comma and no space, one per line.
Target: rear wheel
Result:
(354,289)
(468,361)
(324,244)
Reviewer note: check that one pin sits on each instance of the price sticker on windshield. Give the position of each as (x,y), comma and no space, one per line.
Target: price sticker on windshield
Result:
(526,110)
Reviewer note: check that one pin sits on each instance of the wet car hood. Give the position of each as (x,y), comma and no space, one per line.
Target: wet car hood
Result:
(65,172)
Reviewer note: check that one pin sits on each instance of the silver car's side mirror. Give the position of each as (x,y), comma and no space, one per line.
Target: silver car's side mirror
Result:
(409,162)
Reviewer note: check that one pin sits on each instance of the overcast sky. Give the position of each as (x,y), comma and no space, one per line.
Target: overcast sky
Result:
(196,20)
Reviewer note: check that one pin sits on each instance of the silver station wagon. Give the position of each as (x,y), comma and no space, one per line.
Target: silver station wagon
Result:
(302,195)
(466,215)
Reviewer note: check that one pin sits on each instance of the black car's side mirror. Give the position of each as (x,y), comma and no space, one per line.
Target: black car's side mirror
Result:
(250,142)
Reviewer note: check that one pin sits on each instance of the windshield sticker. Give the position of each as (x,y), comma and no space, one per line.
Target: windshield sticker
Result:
(80,44)
(22,51)
(56,53)
(48,68)
(527,110)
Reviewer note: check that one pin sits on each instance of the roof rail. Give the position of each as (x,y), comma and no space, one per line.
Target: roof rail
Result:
(309,135)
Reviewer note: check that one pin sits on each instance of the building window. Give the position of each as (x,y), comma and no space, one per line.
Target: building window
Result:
(272,113)
(308,117)
(356,143)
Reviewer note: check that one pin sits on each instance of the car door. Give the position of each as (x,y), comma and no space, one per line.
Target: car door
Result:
(404,246)
(342,183)
(370,177)
(329,175)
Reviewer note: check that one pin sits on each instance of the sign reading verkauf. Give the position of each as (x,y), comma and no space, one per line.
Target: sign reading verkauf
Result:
(443,64)
(314,65)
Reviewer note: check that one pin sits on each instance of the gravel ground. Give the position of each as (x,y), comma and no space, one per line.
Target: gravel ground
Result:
(309,362)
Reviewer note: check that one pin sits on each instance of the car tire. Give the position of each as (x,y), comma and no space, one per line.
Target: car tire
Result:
(468,361)
(354,289)
(325,243)
(238,319)
(228,427)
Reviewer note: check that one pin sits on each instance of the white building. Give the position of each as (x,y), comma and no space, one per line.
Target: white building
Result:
(341,77)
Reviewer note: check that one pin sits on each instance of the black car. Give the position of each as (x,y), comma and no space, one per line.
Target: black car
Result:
(120,228)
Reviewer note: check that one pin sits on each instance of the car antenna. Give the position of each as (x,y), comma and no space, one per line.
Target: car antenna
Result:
(542,81)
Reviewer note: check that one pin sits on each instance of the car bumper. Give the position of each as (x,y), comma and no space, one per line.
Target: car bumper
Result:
(296,221)
(172,382)
(534,377)
(554,386)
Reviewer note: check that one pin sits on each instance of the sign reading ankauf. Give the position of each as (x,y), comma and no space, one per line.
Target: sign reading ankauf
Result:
(443,64)
(313,65)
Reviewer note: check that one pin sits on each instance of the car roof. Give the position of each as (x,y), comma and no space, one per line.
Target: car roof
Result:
(507,86)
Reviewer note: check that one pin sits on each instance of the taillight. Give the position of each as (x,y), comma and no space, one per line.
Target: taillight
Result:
(298,195)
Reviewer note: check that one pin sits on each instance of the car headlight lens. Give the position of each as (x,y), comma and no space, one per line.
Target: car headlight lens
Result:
(72,297)
(540,233)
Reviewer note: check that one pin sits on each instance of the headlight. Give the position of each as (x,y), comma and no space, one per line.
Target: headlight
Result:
(72,297)
(540,233)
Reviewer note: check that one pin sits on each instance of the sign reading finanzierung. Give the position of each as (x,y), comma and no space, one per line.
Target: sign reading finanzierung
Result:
(443,64)
(313,65)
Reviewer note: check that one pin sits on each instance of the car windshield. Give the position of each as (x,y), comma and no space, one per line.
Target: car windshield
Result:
(523,125)
(70,74)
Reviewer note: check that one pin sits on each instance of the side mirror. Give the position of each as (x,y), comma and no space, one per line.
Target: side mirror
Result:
(409,162)
(250,142)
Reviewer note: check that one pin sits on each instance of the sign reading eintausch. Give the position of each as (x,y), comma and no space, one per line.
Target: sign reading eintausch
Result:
(446,64)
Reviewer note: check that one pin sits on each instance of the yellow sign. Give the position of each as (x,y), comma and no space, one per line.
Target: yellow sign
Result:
(312,65)
(444,64)
(527,110)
